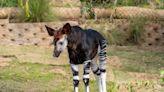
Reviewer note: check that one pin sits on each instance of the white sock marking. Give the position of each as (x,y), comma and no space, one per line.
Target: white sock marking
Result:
(103,80)
(86,76)
(76,89)
(76,77)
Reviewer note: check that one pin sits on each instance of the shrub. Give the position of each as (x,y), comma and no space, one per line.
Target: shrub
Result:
(136,29)
(39,11)
(8,3)
(116,37)
(132,2)
(87,9)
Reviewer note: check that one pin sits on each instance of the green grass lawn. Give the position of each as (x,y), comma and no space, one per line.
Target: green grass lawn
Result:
(33,69)
(139,60)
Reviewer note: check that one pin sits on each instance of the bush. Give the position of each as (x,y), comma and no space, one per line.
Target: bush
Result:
(8,3)
(132,2)
(110,3)
(117,37)
(39,11)
(136,29)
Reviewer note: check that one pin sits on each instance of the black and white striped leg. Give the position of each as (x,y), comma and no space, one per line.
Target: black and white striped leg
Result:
(86,74)
(97,73)
(75,76)
(102,62)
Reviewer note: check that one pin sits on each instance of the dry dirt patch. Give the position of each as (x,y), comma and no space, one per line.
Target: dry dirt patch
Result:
(5,60)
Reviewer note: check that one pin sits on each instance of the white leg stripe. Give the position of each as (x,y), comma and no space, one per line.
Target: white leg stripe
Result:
(87,61)
(98,78)
(76,89)
(103,80)
(75,67)
(86,76)
(76,77)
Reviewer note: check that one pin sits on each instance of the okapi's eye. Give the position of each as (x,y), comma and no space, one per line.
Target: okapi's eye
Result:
(61,43)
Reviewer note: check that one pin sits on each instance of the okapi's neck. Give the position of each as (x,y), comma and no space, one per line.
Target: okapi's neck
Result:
(74,38)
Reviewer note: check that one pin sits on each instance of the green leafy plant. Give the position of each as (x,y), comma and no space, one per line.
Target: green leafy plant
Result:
(117,37)
(132,2)
(87,8)
(37,11)
(8,3)
(130,88)
(113,87)
(162,76)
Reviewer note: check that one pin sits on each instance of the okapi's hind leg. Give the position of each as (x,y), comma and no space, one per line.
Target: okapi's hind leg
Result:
(87,65)
(103,80)
(96,70)
(75,76)
(102,62)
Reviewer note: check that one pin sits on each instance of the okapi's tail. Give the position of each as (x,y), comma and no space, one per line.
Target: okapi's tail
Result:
(102,55)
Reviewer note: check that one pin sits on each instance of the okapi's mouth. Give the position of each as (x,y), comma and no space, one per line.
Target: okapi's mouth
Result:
(56,53)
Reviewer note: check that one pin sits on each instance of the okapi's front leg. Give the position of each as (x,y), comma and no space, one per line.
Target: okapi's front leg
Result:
(75,76)
(87,65)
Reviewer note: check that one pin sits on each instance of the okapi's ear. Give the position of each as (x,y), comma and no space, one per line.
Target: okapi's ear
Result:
(66,29)
(50,31)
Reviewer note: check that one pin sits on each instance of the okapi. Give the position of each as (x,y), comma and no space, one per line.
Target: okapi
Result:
(83,45)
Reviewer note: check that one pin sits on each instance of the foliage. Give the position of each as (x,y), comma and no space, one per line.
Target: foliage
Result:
(8,3)
(138,60)
(25,7)
(132,2)
(136,30)
(113,87)
(117,37)
(87,8)
(130,88)
(37,11)
(162,76)
(109,3)
(159,4)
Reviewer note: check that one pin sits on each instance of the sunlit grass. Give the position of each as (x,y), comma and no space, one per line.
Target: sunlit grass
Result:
(138,60)
(54,75)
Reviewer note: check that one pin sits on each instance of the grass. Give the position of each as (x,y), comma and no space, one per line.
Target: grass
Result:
(136,29)
(138,60)
(40,72)
(26,71)
(8,3)
(26,75)
(117,35)
(39,11)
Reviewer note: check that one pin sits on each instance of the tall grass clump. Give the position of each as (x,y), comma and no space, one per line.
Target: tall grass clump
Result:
(117,37)
(136,29)
(8,3)
(113,87)
(87,9)
(38,11)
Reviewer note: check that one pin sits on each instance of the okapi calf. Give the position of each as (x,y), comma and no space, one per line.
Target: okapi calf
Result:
(83,47)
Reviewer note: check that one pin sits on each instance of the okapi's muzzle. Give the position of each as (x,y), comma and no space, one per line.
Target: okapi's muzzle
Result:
(56,53)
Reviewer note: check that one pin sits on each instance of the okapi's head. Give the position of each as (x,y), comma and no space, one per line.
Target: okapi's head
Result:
(60,38)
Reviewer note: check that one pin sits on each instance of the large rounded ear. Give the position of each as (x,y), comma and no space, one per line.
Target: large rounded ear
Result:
(66,29)
(50,31)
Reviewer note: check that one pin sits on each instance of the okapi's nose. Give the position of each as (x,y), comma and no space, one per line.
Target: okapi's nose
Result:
(56,53)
